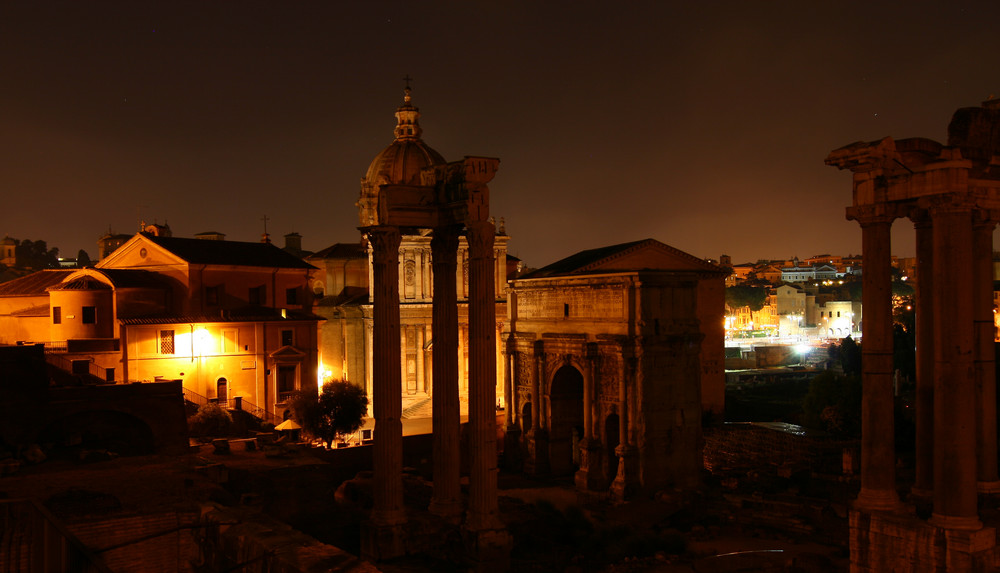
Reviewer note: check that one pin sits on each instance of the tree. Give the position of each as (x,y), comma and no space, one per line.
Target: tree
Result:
(744,295)
(83,259)
(35,255)
(338,410)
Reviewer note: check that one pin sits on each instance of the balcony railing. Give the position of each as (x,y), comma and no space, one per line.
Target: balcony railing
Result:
(235,403)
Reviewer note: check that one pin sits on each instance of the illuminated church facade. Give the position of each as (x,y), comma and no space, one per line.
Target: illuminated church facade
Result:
(346,271)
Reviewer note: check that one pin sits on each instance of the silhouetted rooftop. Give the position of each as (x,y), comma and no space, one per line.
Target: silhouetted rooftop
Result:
(200,251)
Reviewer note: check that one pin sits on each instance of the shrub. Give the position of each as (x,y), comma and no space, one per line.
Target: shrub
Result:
(210,420)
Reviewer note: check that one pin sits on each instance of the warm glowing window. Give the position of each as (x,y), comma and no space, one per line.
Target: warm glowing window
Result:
(89,314)
(166,342)
(56,315)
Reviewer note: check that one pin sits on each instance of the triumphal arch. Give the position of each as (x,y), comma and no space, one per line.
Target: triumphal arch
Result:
(610,353)
(449,199)
(951,194)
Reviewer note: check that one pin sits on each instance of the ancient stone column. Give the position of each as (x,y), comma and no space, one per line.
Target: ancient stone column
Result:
(626,481)
(589,476)
(446,498)
(924,400)
(421,386)
(985,368)
(878,459)
(482,513)
(383,539)
(954,384)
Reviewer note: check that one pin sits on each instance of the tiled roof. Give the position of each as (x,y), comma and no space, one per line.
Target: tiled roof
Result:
(246,314)
(341,251)
(85,282)
(350,296)
(37,310)
(34,284)
(200,251)
(592,259)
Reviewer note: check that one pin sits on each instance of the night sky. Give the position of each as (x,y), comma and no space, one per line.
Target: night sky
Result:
(701,124)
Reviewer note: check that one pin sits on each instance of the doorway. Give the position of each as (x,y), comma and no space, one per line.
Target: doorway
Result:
(222,392)
(566,400)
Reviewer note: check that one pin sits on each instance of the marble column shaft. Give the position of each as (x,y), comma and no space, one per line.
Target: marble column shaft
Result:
(924,323)
(985,367)
(446,498)
(386,374)
(483,511)
(954,384)
(878,457)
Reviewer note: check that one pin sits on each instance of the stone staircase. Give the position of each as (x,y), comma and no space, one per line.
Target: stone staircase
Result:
(421,406)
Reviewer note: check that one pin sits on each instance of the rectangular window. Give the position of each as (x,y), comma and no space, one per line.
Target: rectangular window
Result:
(286,382)
(212,295)
(229,340)
(256,295)
(56,315)
(166,342)
(287,337)
(89,314)
(292,296)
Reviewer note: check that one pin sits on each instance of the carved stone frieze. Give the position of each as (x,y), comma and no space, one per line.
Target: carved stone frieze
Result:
(524,369)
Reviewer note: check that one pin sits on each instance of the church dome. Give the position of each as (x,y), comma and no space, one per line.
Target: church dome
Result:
(401,162)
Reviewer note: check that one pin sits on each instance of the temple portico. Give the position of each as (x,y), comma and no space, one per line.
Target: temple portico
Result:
(952,195)
(446,200)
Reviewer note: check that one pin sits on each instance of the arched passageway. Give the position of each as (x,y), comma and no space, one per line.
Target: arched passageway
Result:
(611,441)
(566,419)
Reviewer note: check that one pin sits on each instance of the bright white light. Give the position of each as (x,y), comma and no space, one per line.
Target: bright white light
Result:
(803,349)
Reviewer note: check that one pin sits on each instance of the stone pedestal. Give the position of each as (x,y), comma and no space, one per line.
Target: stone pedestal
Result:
(536,459)
(883,541)
(382,541)
(487,550)
(590,476)
(513,458)
(626,483)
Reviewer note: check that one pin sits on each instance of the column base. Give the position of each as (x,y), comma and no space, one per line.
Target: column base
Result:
(955,522)
(382,541)
(536,462)
(988,487)
(450,511)
(626,483)
(590,476)
(869,500)
(898,542)
(512,449)
(487,550)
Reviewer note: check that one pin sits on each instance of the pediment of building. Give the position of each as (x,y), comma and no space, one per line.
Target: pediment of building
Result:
(140,252)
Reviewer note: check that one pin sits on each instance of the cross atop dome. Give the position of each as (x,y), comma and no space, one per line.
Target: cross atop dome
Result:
(407,116)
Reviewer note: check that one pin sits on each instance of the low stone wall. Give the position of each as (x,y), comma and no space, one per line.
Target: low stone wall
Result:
(154,542)
(757,445)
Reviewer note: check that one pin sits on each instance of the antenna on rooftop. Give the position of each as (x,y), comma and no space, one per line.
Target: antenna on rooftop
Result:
(265,238)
